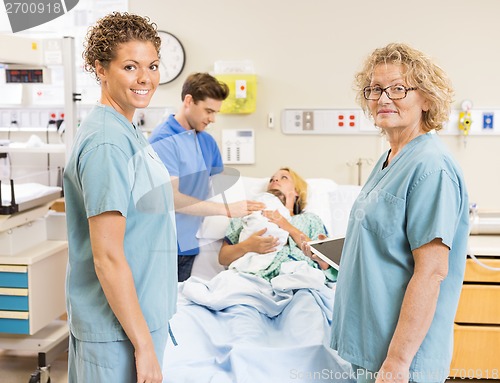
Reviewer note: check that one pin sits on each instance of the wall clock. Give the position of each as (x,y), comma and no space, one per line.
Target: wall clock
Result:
(172,57)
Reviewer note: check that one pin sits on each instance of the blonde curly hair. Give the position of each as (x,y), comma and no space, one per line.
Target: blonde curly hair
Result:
(419,72)
(109,32)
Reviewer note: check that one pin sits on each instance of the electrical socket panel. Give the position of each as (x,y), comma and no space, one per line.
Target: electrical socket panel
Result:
(483,122)
(35,119)
(326,121)
(354,121)
(147,119)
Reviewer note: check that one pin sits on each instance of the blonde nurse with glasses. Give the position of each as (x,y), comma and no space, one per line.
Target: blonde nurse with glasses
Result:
(405,248)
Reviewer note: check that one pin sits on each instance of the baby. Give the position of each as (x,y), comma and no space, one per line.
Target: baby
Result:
(252,262)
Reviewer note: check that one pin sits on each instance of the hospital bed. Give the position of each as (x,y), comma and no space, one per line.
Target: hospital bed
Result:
(232,327)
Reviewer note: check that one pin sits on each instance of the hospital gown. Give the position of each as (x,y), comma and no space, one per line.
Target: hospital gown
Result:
(308,223)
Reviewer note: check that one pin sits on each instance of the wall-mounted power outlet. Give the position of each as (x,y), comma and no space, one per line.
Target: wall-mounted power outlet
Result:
(484,122)
(325,121)
(14,118)
(488,120)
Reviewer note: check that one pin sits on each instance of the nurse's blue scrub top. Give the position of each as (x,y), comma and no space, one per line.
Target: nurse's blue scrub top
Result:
(113,168)
(420,196)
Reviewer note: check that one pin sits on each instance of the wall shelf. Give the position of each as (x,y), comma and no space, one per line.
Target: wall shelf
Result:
(47,148)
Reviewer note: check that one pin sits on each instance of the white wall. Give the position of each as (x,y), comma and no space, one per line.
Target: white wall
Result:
(306,53)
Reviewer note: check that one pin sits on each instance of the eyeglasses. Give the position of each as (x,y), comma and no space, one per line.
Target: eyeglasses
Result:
(394,92)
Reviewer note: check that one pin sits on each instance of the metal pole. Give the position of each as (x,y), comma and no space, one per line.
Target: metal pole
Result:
(70,97)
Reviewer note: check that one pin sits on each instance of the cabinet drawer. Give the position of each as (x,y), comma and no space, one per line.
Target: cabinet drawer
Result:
(14,299)
(479,304)
(475,352)
(13,276)
(14,326)
(477,273)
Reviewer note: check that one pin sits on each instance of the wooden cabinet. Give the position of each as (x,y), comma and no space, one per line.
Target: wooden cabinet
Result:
(476,353)
(32,296)
(32,288)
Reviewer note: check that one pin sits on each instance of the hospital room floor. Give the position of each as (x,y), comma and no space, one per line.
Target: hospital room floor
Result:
(17,368)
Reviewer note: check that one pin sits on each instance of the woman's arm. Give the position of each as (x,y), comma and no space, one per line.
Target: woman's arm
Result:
(417,310)
(107,232)
(283,223)
(298,236)
(255,243)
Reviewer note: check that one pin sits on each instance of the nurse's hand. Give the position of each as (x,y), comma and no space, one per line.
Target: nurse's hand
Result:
(146,363)
(393,372)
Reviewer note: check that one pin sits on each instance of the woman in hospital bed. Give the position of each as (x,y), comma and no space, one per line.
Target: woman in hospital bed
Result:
(263,252)
(271,324)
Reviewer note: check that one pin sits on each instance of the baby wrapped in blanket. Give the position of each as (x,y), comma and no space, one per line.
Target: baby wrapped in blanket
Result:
(252,262)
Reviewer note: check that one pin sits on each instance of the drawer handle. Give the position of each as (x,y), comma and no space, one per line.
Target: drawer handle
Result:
(14,315)
(14,291)
(13,269)
(481,263)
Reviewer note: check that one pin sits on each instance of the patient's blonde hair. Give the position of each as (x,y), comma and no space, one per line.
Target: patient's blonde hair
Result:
(301,189)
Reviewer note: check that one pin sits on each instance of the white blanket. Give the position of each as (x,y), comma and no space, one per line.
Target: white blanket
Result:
(252,262)
(241,328)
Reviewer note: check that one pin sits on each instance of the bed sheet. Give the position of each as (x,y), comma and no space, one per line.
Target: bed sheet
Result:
(239,328)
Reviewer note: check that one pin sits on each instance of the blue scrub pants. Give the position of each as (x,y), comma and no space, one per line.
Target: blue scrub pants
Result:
(106,362)
(184,267)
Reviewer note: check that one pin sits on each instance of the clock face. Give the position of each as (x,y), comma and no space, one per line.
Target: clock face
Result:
(172,57)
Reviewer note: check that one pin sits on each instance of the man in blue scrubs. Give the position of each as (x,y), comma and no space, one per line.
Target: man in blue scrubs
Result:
(192,156)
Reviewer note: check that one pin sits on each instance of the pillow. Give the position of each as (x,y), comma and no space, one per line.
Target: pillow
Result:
(206,264)
(213,228)
(341,201)
(253,185)
(318,202)
(318,199)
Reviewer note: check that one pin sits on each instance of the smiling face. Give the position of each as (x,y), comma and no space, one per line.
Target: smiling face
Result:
(129,80)
(202,113)
(396,115)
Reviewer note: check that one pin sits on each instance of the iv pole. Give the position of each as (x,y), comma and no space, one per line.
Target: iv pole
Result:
(359,164)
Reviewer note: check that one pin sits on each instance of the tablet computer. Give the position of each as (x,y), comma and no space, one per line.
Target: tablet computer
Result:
(329,250)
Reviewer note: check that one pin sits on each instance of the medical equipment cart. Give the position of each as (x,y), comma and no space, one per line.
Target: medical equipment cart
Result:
(32,291)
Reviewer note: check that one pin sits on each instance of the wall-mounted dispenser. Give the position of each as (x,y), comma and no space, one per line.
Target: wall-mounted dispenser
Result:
(242,82)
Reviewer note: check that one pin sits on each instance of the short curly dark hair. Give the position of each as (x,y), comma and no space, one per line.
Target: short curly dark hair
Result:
(112,30)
